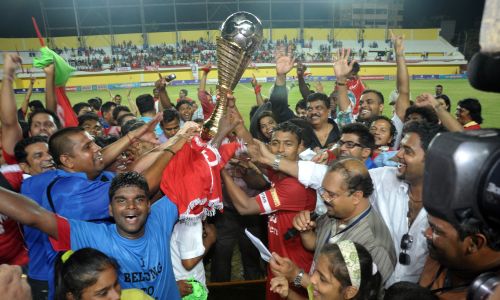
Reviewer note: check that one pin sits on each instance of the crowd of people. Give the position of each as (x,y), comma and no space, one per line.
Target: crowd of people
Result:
(129,55)
(129,202)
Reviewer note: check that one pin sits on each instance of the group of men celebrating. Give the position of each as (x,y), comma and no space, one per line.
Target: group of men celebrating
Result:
(325,159)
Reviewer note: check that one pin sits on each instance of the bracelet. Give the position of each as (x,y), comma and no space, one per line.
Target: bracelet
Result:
(297,281)
(276,162)
(340,83)
(169,150)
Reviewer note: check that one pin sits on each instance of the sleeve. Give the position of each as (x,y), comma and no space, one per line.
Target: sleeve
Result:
(288,195)
(311,174)
(399,130)
(165,212)
(63,242)
(344,117)
(279,99)
(193,246)
(9,159)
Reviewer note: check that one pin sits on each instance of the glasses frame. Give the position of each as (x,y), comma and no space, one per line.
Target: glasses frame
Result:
(347,144)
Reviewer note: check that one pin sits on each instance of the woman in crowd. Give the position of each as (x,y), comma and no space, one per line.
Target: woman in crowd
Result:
(344,270)
(384,132)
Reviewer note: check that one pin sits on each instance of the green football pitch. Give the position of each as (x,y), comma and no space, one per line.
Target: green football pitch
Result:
(456,89)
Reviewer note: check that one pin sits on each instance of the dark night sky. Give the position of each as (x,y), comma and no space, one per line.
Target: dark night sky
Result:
(16,18)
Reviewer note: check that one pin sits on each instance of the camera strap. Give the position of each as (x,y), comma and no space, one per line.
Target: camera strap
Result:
(447,283)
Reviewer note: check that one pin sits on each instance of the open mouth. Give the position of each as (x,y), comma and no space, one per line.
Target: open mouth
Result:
(131,219)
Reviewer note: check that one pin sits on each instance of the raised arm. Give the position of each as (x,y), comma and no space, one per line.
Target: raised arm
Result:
(24,106)
(402,77)
(161,85)
(342,70)
(27,212)
(304,89)
(50,88)
(131,104)
(11,130)
(447,119)
(257,89)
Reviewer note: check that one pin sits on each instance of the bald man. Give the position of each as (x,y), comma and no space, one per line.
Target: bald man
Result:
(345,190)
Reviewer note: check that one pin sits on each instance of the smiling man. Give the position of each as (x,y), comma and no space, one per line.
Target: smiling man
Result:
(139,240)
(371,104)
(326,131)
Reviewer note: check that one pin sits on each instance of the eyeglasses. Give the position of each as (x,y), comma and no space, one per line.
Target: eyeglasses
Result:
(327,195)
(349,144)
(406,243)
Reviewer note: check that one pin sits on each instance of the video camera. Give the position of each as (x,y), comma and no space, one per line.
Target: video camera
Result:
(462,181)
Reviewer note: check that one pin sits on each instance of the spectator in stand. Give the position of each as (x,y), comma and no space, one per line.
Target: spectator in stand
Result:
(90,123)
(82,108)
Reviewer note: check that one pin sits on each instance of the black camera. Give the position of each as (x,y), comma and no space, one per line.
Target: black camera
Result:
(462,181)
(170,77)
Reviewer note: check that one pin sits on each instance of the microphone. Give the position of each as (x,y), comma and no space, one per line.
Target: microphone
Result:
(291,232)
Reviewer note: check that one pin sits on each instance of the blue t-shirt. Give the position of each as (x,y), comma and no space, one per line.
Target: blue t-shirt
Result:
(73,196)
(145,263)
(158,130)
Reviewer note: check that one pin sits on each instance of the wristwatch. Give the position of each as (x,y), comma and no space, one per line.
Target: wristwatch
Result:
(276,162)
(298,279)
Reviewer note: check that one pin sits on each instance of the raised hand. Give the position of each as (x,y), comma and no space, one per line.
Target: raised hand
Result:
(11,62)
(301,69)
(341,67)
(427,99)
(398,41)
(284,62)
(254,81)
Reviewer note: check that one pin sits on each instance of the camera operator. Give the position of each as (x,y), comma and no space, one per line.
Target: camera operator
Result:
(462,196)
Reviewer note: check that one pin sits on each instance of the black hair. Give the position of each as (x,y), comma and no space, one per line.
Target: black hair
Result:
(425,130)
(438,85)
(258,133)
(474,108)
(469,225)
(88,116)
(319,97)
(118,109)
(181,102)
(393,131)
(355,68)
(307,131)
(79,106)
(169,115)
(20,147)
(408,291)
(356,178)
(364,135)
(446,100)
(95,103)
(122,117)
(289,126)
(426,112)
(184,91)
(36,104)
(80,271)
(103,141)
(131,125)
(370,284)
(253,110)
(128,179)
(25,127)
(145,103)
(59,142)
(57,122)
(301,104)
(106,107)
(379,95)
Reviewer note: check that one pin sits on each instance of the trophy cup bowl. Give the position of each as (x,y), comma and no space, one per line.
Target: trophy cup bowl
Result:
(241,35)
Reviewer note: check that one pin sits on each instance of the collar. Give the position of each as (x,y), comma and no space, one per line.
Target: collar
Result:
(471,123)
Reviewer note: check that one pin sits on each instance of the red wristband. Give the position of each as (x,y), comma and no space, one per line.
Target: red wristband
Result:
(257,88)
(206,70)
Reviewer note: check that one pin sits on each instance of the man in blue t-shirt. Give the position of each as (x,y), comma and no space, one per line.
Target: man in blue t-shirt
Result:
(139,241)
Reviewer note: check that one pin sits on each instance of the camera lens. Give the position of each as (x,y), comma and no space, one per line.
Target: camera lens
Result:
(483,286)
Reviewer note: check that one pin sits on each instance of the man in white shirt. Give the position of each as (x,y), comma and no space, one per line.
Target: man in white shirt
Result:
(397,195)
